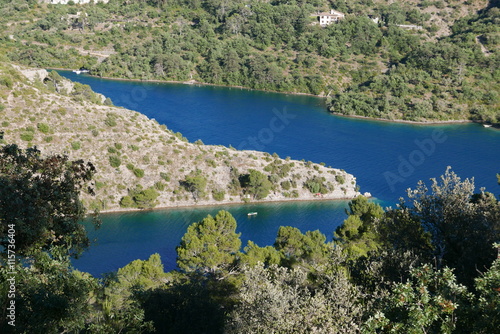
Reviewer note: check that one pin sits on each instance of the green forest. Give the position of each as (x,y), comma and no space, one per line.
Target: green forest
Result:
(429,265)
(446,69)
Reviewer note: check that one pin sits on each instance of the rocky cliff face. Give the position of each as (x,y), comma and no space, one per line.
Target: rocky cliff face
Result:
(139,159)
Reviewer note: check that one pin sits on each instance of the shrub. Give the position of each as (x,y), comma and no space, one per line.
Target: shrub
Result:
(76,145)
(6,81)
(256,184)
(286,185)
(140,198)
(110,120)
(218,195)
(127,202)
(115,161)
(139,172)
(316,185)
(160,186)
(195,183)
(165,176)
(145,199)
(43,128)
(27,136)
(340,179)
(273,178)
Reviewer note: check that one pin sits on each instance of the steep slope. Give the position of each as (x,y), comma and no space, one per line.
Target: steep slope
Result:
(140,163)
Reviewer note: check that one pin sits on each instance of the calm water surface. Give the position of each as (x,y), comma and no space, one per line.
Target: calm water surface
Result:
(387,158)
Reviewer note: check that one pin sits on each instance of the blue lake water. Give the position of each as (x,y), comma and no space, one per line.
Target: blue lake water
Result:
(387,158)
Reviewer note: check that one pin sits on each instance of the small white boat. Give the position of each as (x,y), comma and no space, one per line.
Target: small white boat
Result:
(487,125)
(81,71)
(252,214)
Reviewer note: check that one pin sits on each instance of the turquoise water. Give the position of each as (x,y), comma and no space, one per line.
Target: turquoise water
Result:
(387,158)
(125,237)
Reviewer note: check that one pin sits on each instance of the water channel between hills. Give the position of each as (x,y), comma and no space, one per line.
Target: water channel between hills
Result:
(387,158)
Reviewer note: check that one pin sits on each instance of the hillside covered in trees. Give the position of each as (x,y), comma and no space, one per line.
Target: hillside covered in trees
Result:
(368,64)
(429,265)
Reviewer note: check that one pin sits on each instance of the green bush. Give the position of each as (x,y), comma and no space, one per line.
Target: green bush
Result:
(43,128)
(195,183)
(160,186)
(76,145)
(115,161)
(99,185)
(127,202)
(274,179)
(316,185)
(110,120)
(286,185)
(140,198)
(146,198)
(139,172)
(6,81)
(256,184)
(27,136)
(218,195)
(340,179)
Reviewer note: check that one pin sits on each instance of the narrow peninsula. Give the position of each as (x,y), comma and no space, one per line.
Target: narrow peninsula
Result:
(142,164)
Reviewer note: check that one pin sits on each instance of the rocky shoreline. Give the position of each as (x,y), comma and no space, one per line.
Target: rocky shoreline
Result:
(216,204)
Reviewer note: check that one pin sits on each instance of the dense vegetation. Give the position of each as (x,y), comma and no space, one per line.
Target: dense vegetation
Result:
(450,78)
(428,265)
(446,70)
